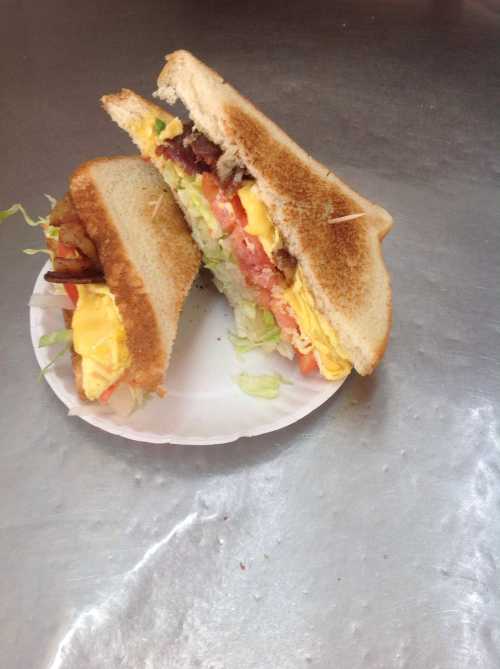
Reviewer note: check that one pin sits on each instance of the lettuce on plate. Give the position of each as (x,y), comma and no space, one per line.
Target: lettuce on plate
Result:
(56,337)
(266,386)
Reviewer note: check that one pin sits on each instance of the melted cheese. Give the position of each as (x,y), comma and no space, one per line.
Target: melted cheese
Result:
(99,338)
(330,356)
(259,223)
(146,136)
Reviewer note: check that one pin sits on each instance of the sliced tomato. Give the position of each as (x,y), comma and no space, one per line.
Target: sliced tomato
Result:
(281,313)
(264,298)
(249,251)
(307,362)
(258,270)
(221,205)
(210,185)
(104,397)
(71,292)
(264,277)
(239,211)
(66,251)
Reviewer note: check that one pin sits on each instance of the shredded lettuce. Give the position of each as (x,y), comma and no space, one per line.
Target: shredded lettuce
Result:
(45,369)
(260,326)
(52,200)
(18,208)
(266,386)
(241,344)
(52,232)
(56,337)
(32,252)
(257,325)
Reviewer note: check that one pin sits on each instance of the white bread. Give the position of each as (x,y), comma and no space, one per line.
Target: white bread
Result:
(146,251)
(342,261)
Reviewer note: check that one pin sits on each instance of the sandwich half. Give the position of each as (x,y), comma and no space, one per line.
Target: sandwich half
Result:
(295,250)
(123,253)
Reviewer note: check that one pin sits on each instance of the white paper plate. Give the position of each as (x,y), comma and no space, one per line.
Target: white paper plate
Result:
(204,405)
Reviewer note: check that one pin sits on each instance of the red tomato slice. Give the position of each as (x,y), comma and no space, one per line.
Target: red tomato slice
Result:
(239,210)
(65,251)
(307,363)
(71,292)
(249,251)
(264,298)
(258,270)
(264,277)
(209,185)
(281,313)
(221,206)
(104,397)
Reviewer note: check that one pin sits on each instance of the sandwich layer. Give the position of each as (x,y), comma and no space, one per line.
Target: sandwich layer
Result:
(240,244)
(140,236)
(341,260)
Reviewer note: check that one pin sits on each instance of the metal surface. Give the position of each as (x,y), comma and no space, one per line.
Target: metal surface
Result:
(365,536)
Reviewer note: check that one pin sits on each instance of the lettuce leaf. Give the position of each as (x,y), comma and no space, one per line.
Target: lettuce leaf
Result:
(266,386)
(52,232)
(241,344)
(52,200)
(261,328)
(18,208)
(45,369)
(32,252)
(257,325)
(56,337)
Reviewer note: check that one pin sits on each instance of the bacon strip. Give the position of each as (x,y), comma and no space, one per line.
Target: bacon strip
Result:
(82,277)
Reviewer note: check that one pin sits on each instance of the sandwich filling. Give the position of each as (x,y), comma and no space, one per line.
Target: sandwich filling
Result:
(99,336)
(274,307)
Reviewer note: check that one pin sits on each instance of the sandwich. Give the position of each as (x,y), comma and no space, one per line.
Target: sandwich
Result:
(123,254)
(294,249)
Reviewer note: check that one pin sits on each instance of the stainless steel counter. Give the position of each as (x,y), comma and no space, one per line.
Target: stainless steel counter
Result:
(367,535)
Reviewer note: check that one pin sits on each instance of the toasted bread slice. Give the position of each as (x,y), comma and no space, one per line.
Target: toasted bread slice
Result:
(147,255)
(342,261)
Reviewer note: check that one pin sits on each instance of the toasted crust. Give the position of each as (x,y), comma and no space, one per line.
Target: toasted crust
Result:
(139,242)
(128,107)
(342,261)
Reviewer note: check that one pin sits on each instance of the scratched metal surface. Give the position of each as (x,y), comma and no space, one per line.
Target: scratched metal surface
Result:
(365,536)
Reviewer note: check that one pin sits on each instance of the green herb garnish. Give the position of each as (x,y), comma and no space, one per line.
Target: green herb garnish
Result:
(159,126)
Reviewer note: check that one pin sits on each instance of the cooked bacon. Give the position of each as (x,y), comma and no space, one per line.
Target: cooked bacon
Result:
(286,263)
(75,277)
(75,265)
(63,212)
(174,149)
(192,150)
(234,180)
(73,233)
(205,150)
